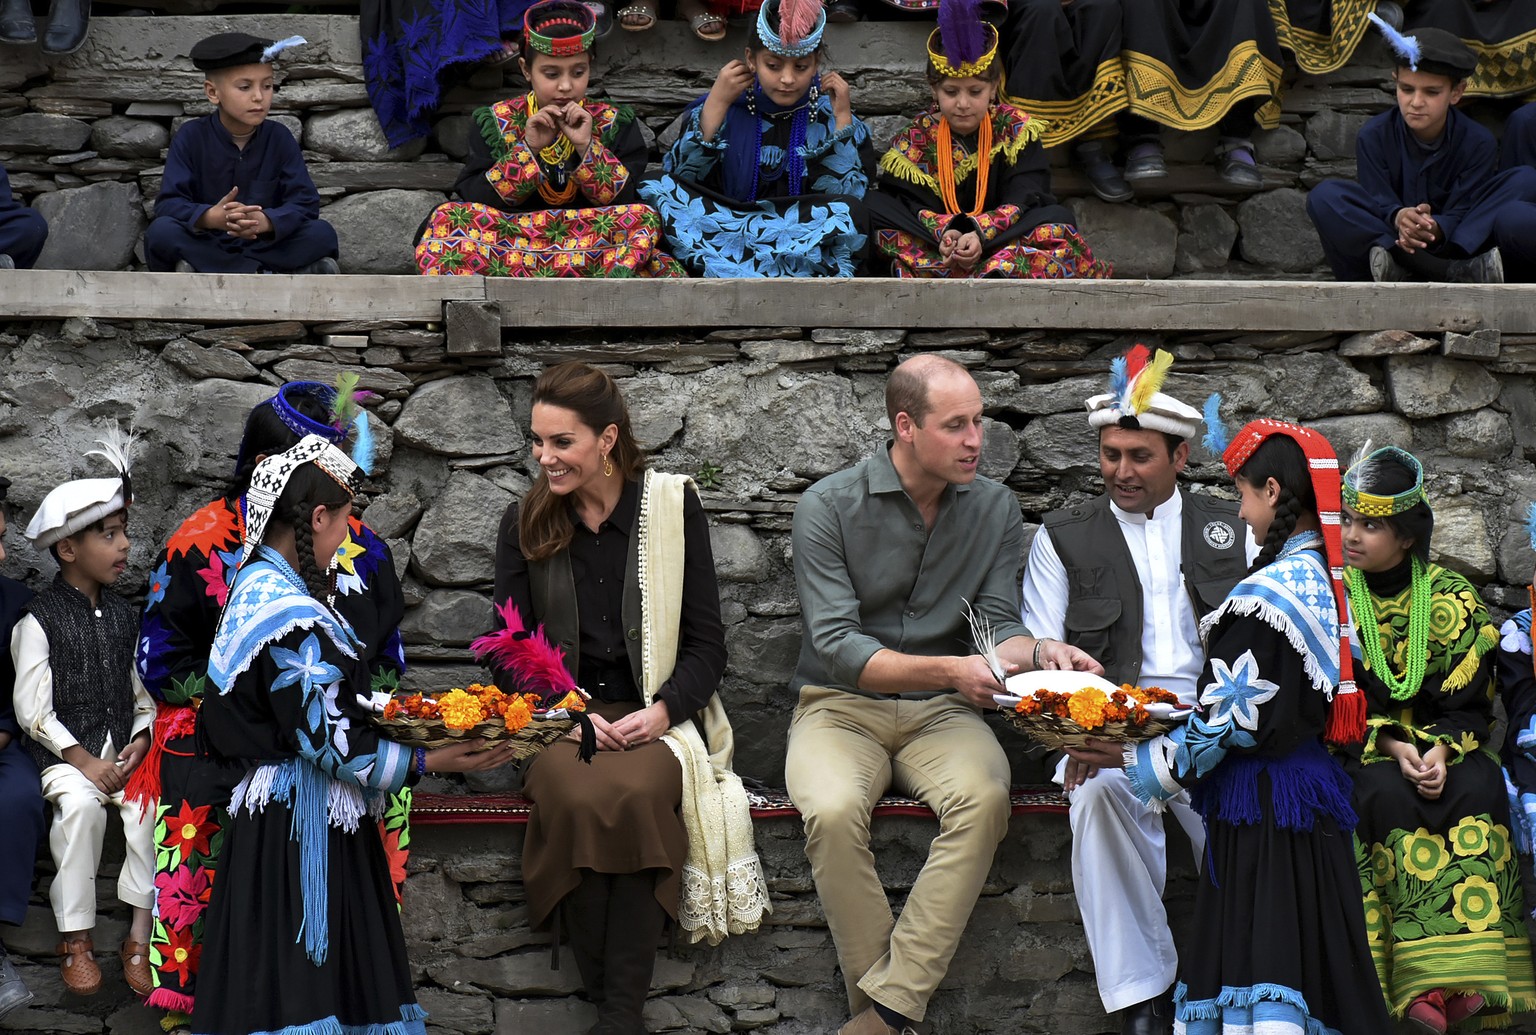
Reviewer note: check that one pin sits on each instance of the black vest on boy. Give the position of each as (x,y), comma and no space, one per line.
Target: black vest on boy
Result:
(90,653)
(1104,612)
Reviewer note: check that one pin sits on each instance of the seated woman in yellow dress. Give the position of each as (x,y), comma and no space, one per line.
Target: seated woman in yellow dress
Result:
(548,189)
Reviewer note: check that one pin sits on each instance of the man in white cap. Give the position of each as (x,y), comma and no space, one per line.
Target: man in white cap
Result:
(85,717)
(1126,578)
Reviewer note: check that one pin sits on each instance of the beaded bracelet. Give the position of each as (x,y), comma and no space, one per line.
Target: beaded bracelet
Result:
(421,761)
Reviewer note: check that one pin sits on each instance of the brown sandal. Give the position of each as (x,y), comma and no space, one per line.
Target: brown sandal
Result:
(81,974)
(137,974)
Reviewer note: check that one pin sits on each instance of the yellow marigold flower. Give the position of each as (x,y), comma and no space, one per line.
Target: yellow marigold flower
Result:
(1424,854)
(1477,903)
(459,710)
(1470,837)
(1086,707)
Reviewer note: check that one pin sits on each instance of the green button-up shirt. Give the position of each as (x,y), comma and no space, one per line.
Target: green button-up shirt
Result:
(871,575)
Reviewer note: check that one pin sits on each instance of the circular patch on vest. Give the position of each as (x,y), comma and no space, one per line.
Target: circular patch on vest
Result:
(1219,535)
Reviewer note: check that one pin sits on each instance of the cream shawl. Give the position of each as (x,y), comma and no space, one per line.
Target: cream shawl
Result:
(723,887)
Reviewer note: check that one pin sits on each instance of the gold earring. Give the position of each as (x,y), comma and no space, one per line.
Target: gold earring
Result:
(607,466)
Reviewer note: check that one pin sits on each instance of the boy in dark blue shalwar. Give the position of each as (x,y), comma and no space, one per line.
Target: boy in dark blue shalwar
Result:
(21,797)
(235,197)
(1518,220)
(1430,204)
(22,230)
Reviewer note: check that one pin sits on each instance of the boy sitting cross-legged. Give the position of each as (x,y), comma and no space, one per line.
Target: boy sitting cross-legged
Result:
(1430,204)
(236,197)
(85,717)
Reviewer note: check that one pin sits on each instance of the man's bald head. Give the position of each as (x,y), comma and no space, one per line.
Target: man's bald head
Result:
(907,389)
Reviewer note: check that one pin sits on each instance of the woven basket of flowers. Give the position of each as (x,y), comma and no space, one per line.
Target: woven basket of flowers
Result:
(546,705)
(1067,709)
(479,711)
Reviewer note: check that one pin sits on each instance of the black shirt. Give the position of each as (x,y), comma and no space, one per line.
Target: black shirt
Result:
(598,561)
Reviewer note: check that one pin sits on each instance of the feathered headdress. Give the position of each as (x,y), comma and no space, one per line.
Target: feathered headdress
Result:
(347,412)
(1216,436)
(1405,47)
(1431,50)
(270,52)
(1362,480)
(1135,399)
(79,504)
(536,664)
(966,43)
(791,28)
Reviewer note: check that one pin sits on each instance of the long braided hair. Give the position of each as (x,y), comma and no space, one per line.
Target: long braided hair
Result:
(1280,458)
(308,487)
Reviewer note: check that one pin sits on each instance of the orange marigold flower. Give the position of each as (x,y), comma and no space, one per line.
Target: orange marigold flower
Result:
(518,714)
(392,710)
(1086,707)
(1027,706)
(460,710)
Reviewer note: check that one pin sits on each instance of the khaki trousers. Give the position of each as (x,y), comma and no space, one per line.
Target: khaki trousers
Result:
(845,751)
(79,824)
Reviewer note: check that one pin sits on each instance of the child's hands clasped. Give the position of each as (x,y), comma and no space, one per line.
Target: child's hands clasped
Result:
(1416,228)
(129,758)
(107,776)
(1426,772)
(960,251)
(235,219)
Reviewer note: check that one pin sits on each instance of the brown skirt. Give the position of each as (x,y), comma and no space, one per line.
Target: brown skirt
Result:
(621,814)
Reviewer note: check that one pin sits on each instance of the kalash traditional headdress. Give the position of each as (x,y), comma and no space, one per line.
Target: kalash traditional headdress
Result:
(79,504)
(1360,483)
(271,477)
(1135,402)
(560,28)
(791,28)
(1346,711)
(1429,50)
(344,401)
(964,44)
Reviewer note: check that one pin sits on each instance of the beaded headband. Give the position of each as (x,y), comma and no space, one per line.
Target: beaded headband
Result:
(560,28)
(1373,504)
(793,40)
(966,69)
(271,477)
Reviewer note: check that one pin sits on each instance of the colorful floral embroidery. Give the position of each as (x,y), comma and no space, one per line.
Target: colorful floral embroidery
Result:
(208,529)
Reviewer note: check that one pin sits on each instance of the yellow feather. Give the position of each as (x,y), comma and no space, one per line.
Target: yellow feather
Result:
(1151,381)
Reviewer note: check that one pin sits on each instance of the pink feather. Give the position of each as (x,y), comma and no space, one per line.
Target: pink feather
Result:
(536,664)
(797,18)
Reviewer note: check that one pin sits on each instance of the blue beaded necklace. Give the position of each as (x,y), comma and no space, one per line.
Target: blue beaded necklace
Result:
(794,155)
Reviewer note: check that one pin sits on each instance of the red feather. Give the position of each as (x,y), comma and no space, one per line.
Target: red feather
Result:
(1135,360)
(536,664)
(796,20)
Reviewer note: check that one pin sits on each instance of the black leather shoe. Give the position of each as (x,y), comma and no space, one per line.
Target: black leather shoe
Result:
(1102,175)
(16,25)
(68,21)
(1153,1017)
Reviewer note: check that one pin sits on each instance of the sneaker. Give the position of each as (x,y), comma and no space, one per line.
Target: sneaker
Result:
(1385,268)
(1103,177)
(14,993)
(1459,1007)
(1487,268)
(183,266)
(326,267)
(6,262)
(1146,162)
(1236,165)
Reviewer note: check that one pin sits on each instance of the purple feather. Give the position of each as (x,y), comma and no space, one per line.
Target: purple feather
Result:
(961,31)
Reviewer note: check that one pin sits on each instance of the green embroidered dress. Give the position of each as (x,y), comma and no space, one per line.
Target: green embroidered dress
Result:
(1443,902)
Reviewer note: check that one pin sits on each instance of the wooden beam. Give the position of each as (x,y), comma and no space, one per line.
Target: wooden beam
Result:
(232,298)
(1129,305)
(1135,305)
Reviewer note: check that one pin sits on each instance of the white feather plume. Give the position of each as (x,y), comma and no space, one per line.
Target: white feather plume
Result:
(985,639)
(116,447)
(281,45)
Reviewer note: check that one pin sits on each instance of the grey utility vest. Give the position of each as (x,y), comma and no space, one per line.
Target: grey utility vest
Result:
(1104,612)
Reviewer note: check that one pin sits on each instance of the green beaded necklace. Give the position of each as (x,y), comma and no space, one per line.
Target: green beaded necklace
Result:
(1418,631)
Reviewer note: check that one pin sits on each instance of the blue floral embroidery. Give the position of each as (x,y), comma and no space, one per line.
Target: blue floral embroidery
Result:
(159,582)
(304,666)
(1237,692)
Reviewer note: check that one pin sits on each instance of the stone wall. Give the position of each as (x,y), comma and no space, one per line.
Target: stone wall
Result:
(755,415)
(84,138)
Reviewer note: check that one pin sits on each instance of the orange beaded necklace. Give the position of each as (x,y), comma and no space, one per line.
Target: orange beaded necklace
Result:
(946,162)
